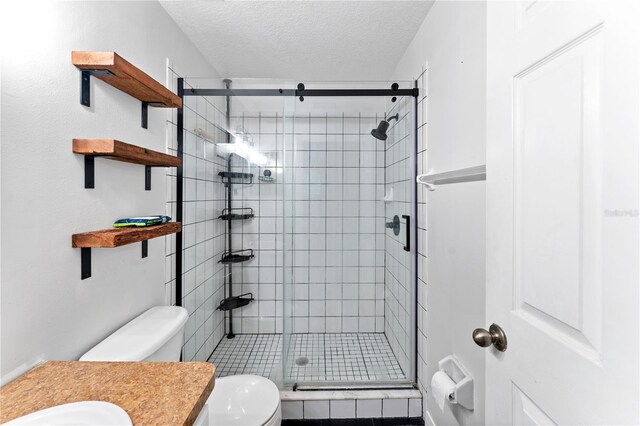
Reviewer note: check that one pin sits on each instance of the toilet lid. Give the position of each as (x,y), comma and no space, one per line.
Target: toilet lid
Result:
(243,400)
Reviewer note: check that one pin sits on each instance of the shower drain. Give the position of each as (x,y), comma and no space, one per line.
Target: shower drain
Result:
(303,360)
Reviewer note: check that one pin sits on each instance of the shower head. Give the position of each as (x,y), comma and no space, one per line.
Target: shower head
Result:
(380,132)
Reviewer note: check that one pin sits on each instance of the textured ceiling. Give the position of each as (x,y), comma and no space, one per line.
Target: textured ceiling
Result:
(302,40)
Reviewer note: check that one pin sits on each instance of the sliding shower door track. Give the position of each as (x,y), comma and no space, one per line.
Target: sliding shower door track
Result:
(351,387)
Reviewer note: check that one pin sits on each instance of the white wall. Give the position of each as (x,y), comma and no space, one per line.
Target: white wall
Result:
(452,40)
(47,311)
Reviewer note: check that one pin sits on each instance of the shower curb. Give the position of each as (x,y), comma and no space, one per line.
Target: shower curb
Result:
(321,395)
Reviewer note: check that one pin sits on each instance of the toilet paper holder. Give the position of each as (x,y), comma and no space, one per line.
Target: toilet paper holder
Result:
(463,392)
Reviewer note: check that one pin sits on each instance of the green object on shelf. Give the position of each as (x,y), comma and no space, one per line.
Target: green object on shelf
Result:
(141,221)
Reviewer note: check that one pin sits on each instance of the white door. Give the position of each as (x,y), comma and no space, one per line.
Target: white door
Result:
(562,212)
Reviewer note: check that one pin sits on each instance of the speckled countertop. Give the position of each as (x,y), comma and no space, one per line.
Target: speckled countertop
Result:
(152,393)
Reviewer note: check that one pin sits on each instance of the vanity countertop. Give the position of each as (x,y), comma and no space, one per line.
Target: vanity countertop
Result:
(166,393)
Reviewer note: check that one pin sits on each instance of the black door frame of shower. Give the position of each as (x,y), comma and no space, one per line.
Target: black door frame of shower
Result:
(300,92)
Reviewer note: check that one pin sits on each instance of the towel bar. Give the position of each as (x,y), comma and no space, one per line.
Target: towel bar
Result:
(469,174)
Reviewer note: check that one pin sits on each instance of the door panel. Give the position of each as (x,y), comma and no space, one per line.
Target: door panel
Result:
(526,412)
(562,212)
(556,243)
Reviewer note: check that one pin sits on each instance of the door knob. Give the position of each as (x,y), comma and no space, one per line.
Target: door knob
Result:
(495,336)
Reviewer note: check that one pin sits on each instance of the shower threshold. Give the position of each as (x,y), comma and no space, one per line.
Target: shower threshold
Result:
(352,387)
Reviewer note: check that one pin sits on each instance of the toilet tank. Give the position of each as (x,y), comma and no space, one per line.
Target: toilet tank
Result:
(155,335)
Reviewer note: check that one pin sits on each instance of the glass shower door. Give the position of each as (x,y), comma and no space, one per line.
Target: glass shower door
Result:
(400,236)
(349,285)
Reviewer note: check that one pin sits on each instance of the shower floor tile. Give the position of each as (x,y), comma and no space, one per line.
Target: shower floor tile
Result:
(336,357)
(247,354)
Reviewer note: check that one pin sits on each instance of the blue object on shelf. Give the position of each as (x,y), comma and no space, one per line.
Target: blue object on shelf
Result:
(141,221)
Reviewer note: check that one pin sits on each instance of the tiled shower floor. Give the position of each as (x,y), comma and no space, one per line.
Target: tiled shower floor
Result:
(331,357)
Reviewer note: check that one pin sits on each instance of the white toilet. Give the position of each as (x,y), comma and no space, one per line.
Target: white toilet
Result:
(157,335)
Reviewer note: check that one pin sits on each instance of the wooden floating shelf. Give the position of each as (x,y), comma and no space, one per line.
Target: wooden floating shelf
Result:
(116,237)
(117,72)
(121,151)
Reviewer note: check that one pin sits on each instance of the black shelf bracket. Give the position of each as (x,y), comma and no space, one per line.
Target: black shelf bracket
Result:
(85,94)
(145,115)
(85,262)
(89,171)
(144,121)
(85,88)
(147,178)
(85,259)
(85,84)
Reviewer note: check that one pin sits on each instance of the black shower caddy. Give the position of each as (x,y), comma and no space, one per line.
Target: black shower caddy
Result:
(231,256)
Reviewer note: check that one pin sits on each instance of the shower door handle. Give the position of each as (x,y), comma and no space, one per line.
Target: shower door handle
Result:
(407,243)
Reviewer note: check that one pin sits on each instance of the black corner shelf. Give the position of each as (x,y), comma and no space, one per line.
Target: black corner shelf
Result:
(236,256)
(235,302)
(241,213)
(230,256)
(242,178)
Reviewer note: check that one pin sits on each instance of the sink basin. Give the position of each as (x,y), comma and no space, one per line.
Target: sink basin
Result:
(97,413)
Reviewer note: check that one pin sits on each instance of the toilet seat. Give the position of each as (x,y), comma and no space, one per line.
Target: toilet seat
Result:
(244,400)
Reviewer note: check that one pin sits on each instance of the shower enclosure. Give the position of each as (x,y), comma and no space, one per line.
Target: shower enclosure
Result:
(306,218)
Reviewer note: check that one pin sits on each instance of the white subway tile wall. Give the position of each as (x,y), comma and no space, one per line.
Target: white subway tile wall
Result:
(368,408)
(335,224)
(400,179)
(415,407)
(395,408)
(352,405)
(316,410)
(203,235)
(292,409)
(343,409)
(262,135)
